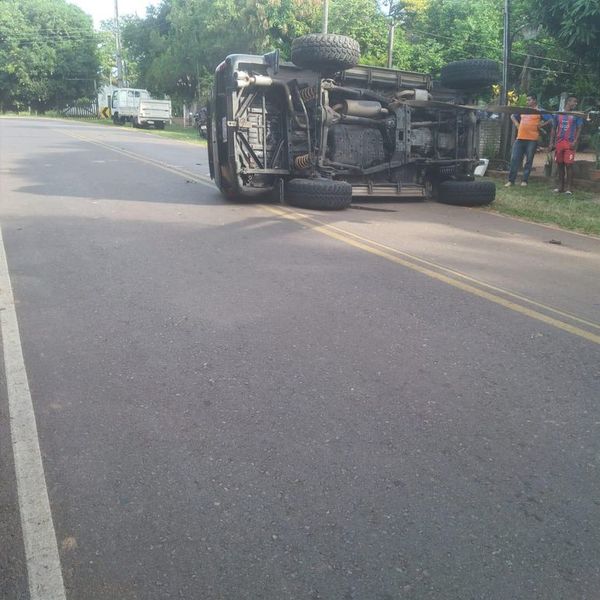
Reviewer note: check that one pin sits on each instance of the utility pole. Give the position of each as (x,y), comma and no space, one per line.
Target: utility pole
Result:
(505,137)
(390,45)
(391,28)
(505,53)
(325,15)
(118,46)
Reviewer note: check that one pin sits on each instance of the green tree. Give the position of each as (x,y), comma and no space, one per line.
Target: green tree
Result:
(48,54)
(433,34)
(178,45)
(144,41)
(364,21)
(107,52)
(548,56)
(576,24)
(16,57)
(571,36)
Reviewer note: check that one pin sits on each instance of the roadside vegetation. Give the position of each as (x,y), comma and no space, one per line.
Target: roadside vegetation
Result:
(177,132)
(173,131)
(51,57)
(537,202)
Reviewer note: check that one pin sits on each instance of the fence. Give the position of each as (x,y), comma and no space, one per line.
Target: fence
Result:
(82,110)
(489,138)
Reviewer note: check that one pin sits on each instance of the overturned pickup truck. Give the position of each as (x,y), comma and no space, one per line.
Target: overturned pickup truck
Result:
(320,131)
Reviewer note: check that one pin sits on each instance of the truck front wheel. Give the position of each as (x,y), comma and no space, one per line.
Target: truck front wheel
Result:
(467,193)
(318,194)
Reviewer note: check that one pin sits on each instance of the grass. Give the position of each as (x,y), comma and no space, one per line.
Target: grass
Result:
(173,131)
(537,202)
(177,132)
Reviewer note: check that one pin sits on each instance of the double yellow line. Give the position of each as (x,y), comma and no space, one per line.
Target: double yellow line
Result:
(456,279)
(145,159)
(515,302)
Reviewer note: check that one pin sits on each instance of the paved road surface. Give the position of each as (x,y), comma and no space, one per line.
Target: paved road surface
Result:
(252,402)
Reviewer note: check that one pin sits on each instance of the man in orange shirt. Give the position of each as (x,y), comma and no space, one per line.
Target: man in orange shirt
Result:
(528,133)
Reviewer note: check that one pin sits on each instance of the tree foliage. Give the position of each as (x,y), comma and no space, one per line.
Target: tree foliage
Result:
(554,48)
(432,34)
(575,23)
(48,54)
(178,45)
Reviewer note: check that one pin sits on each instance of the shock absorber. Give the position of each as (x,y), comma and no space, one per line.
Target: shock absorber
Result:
(302,162)
(308,93)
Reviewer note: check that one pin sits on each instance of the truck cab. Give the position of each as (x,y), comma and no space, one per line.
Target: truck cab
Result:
(125,104)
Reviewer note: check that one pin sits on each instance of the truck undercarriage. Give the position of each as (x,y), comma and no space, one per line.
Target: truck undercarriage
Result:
(361,131)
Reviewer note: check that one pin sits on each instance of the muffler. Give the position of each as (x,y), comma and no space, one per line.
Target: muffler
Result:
(361,108)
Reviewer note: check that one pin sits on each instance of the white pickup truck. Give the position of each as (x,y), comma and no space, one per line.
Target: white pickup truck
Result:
(136,106)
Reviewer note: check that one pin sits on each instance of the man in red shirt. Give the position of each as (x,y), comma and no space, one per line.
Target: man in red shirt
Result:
(566,130)
(528,133)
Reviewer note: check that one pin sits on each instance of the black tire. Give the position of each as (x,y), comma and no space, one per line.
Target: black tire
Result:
(318,194)
(229,194)
(135,124)
(159,124)
(470,74)
(466,193)
(325,52)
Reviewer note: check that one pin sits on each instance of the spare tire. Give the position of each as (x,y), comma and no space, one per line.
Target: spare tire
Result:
(470,74)
(325,52)
(318,194)
(467,193)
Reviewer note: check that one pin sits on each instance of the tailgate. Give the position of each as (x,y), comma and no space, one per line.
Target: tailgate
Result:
(155,109)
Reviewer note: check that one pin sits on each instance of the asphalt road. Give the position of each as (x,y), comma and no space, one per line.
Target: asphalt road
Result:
(234,401)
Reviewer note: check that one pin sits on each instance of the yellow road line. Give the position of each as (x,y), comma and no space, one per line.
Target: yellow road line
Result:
(156,163)
(396,256)
(466,287)
(463,276)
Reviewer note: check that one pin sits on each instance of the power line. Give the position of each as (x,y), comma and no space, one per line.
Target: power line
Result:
(497,49)
(488,46)
(422,34)
(545,70)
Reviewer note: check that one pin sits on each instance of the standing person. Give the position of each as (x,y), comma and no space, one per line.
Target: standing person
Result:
(565,134)
(528,133)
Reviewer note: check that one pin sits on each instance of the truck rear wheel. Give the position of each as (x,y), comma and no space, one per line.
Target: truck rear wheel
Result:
(466,193)
(325,52)
(318,194)
(159,124)
(470,74)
